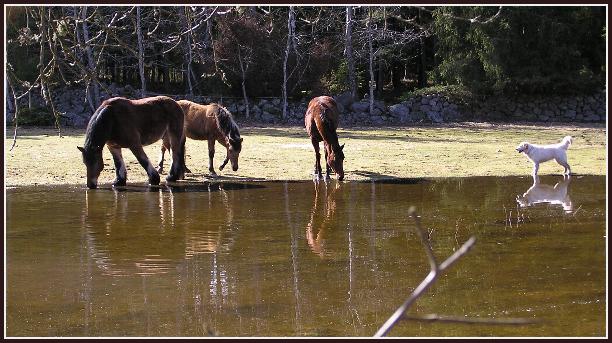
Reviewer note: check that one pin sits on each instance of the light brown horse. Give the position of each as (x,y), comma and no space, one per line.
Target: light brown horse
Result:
(321,121)
(211,122)
(123,123)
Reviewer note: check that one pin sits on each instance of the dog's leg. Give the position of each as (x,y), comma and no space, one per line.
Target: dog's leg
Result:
(565,165)
(536,166)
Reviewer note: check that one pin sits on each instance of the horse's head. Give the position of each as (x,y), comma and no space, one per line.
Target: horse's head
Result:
(94,163)
(336,160)
(234,146)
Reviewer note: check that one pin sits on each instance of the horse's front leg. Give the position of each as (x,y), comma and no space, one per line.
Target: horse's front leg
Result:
(120,169)
(142,158)
(211,156)
(318,171)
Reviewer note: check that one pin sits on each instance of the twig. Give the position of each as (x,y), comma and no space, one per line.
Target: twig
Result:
(464,320)
(436,269)
(16,105)
(429,279)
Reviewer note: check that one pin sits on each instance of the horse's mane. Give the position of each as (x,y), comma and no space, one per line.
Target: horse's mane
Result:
(97,129)
(227,125)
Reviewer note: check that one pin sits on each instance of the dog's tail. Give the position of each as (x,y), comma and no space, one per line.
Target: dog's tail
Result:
(566,142)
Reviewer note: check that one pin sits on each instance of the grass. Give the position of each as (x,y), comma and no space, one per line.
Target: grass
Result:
(285,153)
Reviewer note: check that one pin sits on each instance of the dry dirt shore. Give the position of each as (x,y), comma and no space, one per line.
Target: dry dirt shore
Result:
(40,157)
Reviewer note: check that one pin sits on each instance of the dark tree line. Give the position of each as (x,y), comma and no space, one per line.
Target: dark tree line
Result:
(297,52)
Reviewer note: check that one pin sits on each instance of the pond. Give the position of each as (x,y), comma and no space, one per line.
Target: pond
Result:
(305,258)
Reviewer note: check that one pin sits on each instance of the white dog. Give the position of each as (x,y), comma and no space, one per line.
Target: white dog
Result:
(542,153)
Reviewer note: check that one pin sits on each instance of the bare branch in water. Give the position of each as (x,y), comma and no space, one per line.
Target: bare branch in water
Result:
(434,273)
(466,320)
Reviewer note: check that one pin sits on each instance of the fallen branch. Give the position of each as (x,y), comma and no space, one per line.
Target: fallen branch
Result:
(465,320)
(434,273)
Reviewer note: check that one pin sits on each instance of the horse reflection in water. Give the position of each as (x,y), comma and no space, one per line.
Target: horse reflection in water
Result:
(122,243)
(322,216)
(540,193)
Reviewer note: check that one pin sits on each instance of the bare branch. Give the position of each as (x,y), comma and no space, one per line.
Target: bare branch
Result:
(475,20)
(465,320)
(400,313)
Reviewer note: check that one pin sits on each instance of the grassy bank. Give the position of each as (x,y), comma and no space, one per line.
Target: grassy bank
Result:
(285,153)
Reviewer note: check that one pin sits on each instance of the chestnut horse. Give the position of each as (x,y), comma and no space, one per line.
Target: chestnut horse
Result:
(321,123)
(123,123)
(211,122)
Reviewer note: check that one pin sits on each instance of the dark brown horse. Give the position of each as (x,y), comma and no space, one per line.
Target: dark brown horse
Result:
(122,123)
(321,123)
(213,123)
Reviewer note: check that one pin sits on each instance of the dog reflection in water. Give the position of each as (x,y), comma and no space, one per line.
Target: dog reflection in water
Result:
(542,193)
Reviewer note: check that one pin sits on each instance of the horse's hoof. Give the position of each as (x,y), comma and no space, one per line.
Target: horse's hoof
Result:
(119,183)
(171,178)
(154,180)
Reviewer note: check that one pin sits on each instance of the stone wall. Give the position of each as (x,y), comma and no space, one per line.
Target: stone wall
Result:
(432,108)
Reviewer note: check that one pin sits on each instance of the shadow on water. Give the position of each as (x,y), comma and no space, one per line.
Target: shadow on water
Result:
(185,187)
(388,179)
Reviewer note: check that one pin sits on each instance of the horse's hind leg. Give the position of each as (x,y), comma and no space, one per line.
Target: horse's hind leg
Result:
(318,171)
(120,170)
(211,156)
(185,169)
(177,142)
(142,158)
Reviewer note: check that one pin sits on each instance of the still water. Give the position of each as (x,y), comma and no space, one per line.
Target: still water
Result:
(305,258)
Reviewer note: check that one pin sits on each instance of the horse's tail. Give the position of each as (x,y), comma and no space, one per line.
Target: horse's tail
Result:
(566,142)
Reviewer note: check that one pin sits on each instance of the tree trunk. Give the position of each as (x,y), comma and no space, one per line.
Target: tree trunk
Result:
(396,76)
(166,74)
(348,51)
(421,65)
(422,82)
(380,82)
(143,82)
(371,58)
(290,30)
(380,79)
(90,61)
(243,70)
(189,52)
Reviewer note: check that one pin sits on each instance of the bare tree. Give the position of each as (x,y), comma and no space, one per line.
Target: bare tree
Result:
(348,52)
(244,62)
(143,86)
(188,51)
(371,60)
(290,42)
(95,102)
